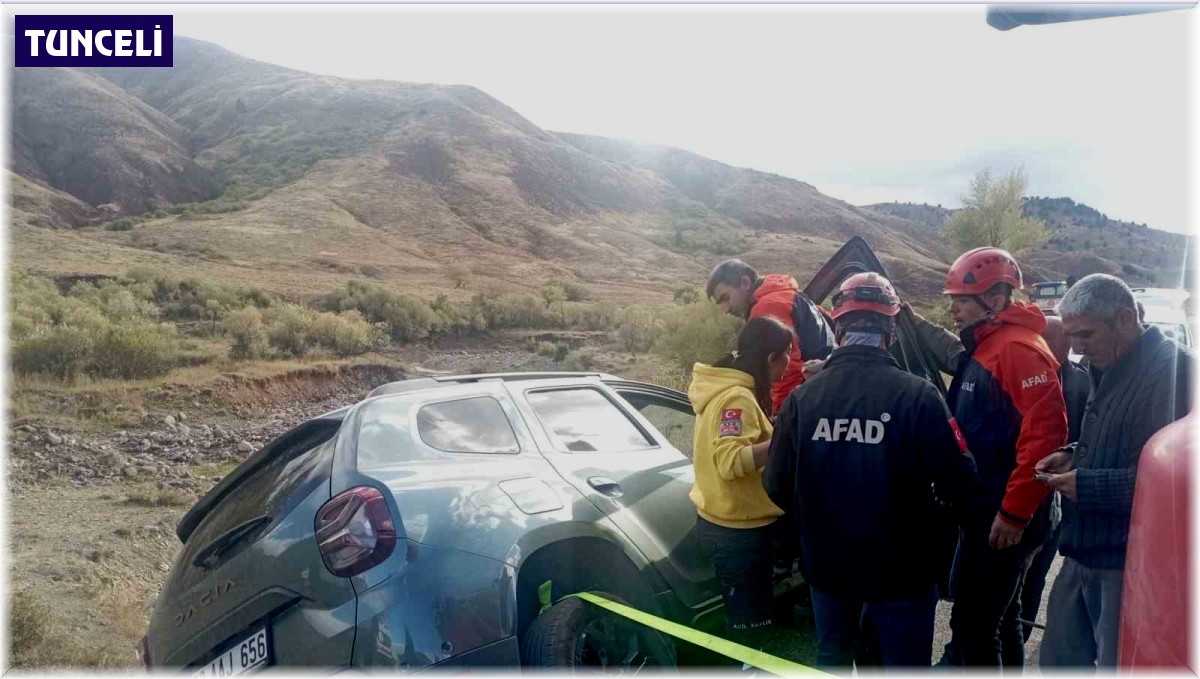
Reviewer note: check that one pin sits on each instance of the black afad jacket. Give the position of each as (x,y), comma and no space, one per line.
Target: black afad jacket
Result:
(856,451)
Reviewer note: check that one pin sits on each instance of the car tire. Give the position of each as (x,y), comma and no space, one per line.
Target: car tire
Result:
(576,634)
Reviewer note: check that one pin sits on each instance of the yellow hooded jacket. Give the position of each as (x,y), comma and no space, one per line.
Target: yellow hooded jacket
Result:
(728,490)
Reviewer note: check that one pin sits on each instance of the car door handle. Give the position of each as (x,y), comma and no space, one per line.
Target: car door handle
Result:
(605,485)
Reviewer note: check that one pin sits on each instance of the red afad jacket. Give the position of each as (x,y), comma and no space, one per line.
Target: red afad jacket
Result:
(777,296)
(1009,405)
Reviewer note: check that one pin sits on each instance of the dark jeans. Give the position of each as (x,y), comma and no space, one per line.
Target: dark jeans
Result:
(902,630)
(986,585)
(1083,618)
(742,559)
(1035,581)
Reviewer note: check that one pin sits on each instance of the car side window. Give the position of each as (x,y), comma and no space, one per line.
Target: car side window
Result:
(469,425)
(673,419)
(585,420)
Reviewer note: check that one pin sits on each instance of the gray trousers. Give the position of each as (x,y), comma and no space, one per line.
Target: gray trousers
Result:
(1083,617)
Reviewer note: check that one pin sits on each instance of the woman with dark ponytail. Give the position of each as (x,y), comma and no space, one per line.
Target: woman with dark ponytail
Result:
(732,400)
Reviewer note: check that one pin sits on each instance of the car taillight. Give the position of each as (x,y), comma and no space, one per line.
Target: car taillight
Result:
(1051,302)
(143,651)
(355,531)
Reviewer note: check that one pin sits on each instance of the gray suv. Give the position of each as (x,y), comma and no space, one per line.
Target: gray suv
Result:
(414,528)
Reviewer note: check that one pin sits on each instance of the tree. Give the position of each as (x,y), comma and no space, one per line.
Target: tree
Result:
(459,275)
(552,292)
(992,215)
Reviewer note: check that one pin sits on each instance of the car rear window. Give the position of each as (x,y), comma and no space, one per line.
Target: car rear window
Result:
(469,425)
(584,420)
(294,465)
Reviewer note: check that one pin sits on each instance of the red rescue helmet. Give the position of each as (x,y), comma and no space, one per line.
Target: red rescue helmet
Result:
(976,271)
(865,292)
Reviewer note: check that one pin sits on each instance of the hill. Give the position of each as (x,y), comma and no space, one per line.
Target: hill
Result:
(246,172)
(1082,241)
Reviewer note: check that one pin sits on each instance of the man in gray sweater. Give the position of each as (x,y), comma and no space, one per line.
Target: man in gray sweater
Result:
(1140,383)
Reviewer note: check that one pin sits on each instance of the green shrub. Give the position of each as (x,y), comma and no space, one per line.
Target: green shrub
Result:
(289,328)
(122,224)
(99,330)
(135,350)
(582,360)
(458,320)
(346,334)
(62,352)
(640,329)
(687,295)
(408,318)
(561,350)
(249,334)
(545,349)
(574,291)
(696,333)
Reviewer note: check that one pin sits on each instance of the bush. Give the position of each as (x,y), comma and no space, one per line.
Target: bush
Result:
(346,334)
(697,333)
(98,330)
(687,295)
(289,329)
(456,319)
(131,351)
(574,291)
(545,349)
(408,318)
(640,329)
(249,334)
(580,361)
(560,351)
(62,352)
(122,224)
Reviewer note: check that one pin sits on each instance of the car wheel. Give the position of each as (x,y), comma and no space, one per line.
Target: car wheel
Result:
(575,634)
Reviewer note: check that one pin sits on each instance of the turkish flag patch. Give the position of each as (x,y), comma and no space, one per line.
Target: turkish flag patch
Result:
(731,422)
(958,436)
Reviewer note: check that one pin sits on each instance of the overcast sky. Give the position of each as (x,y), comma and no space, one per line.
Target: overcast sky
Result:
(867,103)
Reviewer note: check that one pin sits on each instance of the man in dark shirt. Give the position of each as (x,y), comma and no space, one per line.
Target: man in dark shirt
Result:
(1140,383)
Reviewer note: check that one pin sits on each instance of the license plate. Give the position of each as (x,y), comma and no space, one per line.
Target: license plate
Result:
(246,655)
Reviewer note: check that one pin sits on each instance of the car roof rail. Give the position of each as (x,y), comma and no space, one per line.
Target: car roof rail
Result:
(518,377)
(419,383)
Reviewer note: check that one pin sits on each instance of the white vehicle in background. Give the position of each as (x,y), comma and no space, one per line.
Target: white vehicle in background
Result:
(1047,294)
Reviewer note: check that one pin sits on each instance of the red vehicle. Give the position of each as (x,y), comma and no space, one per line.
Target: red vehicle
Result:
(1155,620)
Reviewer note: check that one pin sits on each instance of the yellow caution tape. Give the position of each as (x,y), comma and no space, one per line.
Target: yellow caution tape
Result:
(750,656)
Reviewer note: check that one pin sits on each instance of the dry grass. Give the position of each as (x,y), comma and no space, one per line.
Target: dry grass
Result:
(149,496)
(40,639)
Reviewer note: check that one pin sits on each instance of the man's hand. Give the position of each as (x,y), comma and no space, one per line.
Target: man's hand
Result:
(1004,534)
(1058,462)
(1063,483)
(813,367)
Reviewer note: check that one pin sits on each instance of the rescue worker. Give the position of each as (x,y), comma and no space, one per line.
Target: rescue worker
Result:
(732,400)
(738,289)
(858,450)
(1073,379)
(1007,399)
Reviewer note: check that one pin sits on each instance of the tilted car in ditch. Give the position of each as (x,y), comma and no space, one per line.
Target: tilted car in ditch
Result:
(414,528)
